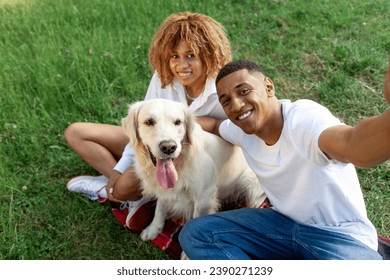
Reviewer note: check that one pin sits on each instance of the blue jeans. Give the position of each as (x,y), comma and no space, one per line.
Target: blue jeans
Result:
(250,233)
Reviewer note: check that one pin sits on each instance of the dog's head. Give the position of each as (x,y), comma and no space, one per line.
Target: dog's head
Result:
(161,127)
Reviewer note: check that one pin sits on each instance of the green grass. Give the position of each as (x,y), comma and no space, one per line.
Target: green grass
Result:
(63,61)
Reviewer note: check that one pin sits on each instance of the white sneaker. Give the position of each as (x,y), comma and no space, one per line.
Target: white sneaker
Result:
(87,185)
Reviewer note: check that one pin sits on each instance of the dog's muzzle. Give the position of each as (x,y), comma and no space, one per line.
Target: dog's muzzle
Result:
(152,157)
(168,147)
(166,173)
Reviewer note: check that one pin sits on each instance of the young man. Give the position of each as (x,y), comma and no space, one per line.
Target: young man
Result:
(303,157)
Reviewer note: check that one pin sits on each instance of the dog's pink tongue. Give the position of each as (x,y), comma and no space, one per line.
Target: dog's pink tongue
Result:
(166,174)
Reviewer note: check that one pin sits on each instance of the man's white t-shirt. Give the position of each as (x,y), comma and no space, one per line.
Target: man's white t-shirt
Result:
(298,178)
(206,104)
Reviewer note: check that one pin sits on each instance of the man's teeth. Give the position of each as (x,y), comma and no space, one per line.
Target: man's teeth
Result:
(245,115)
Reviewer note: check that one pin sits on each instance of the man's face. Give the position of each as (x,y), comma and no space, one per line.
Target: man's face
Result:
(245,98)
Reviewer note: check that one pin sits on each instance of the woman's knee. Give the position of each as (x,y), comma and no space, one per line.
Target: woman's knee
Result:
(72,133)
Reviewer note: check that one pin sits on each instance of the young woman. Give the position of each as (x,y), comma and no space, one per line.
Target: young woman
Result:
(185,54)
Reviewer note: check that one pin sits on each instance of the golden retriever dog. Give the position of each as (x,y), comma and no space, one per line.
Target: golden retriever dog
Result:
(187,169)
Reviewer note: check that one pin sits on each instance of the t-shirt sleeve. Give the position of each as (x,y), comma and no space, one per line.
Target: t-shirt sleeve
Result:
(154,88)
(305,128)
(230,132)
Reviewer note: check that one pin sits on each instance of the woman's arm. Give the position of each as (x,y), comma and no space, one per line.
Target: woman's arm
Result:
(209,124)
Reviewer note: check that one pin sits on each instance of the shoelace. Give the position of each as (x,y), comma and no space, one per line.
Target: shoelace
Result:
(124,205)
(129,205)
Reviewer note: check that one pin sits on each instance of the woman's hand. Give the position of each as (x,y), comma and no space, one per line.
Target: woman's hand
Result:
(111,185)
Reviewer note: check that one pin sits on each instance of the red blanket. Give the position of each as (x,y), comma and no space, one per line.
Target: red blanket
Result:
(168,239)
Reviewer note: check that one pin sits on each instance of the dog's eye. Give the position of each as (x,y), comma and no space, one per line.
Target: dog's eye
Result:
(177,122)
(149,122)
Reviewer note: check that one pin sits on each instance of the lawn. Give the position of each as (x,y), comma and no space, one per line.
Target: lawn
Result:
(64,61)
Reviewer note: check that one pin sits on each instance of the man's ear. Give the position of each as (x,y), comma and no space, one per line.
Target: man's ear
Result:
(269,86)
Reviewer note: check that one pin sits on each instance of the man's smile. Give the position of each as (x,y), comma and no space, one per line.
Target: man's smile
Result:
(245,115)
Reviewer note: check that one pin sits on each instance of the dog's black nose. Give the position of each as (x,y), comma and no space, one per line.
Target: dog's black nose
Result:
(168,146)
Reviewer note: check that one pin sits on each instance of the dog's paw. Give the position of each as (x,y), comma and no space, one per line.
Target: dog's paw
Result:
(150,233)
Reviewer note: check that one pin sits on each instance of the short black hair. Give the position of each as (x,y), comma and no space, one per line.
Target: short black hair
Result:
(237,65)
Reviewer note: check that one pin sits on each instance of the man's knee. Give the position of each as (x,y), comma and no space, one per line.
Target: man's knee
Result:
(186,235)
(195,231)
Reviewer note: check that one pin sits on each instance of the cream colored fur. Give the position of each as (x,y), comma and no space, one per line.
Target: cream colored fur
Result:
(210,170)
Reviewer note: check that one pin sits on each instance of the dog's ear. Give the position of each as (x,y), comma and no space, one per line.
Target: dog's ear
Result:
(189,123)
(130,123)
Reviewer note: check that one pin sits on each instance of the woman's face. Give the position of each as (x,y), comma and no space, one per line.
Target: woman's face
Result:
(186,66)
